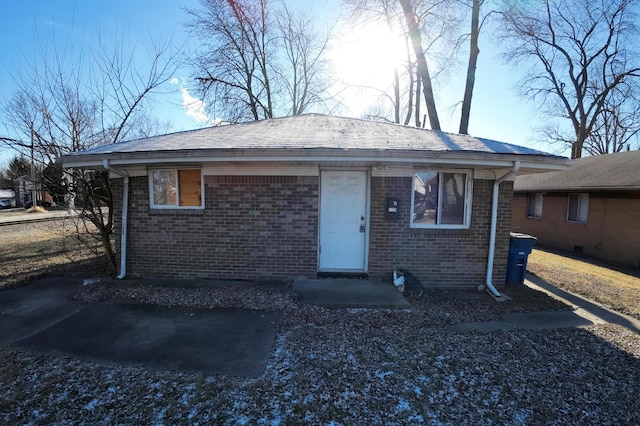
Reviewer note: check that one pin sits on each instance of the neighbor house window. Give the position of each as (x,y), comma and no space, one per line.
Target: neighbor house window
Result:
(534,205)
(577,208)
(441,200)
(173,188)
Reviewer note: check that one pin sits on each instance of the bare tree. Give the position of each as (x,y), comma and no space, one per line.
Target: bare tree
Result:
(64,105)
(257,60)
(423,68)
(388,13)
(474,52)
(432,32)
(618,125)
(579,54)
(304,73)
(232,68)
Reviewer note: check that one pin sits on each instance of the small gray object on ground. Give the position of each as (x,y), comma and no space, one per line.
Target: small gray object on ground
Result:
(409,283)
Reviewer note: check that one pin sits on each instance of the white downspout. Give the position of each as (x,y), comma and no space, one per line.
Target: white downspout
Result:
(492,232)
(125,215)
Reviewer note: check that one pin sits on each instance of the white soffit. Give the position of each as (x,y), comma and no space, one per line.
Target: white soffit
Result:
(282,170)
(260,170)
(134,172)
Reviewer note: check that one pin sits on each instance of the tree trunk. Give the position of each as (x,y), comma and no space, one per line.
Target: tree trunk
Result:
(576,149)
(396,95)
(111,256)
(471,68)
(418,89)
(407,119)
(423,69)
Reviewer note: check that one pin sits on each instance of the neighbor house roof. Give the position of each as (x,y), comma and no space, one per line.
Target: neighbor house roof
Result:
(7,193)
(307,138)
(619,171)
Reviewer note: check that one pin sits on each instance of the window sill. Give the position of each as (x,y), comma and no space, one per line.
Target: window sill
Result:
(440,230)
(439,227)
(183,211)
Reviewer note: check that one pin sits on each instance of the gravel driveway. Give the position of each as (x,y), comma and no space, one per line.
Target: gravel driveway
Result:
(347,367)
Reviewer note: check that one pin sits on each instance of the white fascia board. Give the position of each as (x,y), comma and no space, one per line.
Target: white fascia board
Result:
(95,164)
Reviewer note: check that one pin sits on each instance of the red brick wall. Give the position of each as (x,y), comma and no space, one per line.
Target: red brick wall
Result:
(267,227)
(612,231)
(448,258)
(252,227)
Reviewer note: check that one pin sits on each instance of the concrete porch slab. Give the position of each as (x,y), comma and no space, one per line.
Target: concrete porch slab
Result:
(349,293)
(232,342)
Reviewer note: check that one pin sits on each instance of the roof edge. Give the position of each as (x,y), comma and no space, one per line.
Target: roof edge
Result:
(529,161)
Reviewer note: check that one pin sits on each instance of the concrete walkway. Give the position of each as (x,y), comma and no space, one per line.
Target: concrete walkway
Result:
(349,293)
(585,308)
(214,341)
(586,312)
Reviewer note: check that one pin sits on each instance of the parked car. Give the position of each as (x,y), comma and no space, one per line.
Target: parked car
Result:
(6,203)
(7,199)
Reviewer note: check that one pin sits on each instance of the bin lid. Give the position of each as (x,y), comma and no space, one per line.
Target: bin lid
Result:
(519,236)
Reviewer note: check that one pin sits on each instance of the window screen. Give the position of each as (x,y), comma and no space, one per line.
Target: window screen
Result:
(578,207)
(534,205)
(440,199)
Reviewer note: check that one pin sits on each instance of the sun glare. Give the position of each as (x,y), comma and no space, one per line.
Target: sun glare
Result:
(367,55)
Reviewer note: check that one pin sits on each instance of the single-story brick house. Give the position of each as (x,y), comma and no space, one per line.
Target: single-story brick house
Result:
(593,207)
(315,194)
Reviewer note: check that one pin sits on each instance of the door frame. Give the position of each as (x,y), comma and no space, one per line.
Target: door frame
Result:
(367,222)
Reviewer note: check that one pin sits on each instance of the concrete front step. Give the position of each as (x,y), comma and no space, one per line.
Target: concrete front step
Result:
(349,293)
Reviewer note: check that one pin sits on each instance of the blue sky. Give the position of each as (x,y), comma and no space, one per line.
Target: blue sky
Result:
(497,113)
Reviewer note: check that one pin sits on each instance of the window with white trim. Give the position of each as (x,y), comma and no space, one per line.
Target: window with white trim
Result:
(577,208)
(534,205)
(176,189)
(441,200)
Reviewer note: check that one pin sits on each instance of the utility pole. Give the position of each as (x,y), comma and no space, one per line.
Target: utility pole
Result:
(33,174)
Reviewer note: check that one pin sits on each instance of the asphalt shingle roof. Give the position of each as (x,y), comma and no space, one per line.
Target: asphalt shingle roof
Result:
(314,131)
(619,171)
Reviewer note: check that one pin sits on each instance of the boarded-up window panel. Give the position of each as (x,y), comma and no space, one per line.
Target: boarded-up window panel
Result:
(190,187)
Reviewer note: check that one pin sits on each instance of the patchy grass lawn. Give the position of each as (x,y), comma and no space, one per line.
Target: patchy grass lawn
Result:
(615,288)
(30,251)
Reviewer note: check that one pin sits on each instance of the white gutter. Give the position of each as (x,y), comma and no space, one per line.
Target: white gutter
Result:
(125,214)
(492,231)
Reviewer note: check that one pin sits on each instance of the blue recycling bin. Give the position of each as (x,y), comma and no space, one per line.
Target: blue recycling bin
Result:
(520,246)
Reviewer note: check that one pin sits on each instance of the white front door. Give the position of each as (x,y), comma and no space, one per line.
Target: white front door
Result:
(343,224)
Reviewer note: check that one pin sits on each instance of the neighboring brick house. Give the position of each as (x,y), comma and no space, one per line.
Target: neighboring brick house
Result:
(314,194)
(593,207)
